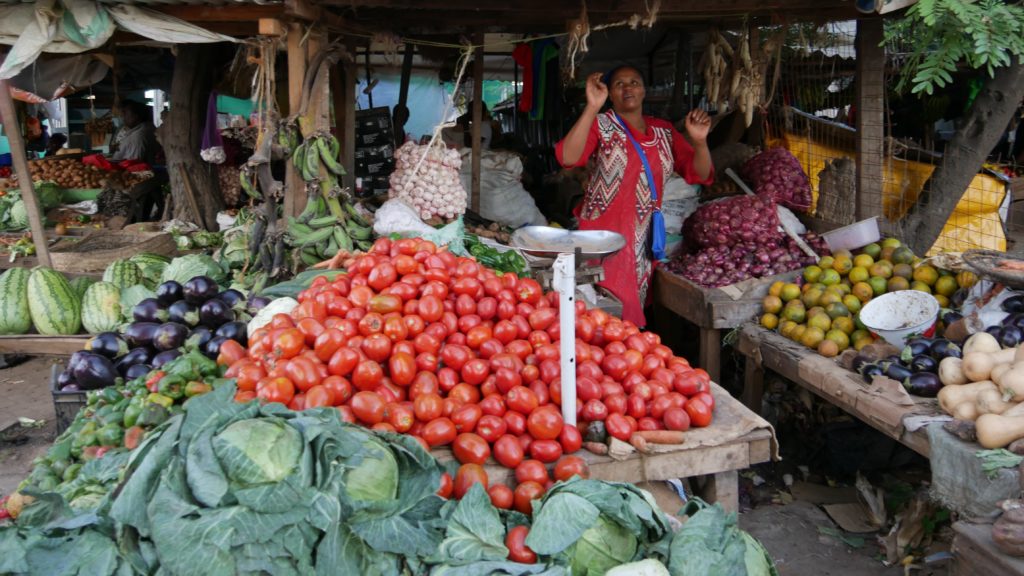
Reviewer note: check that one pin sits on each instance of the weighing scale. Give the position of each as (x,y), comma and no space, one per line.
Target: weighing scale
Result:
(569,254)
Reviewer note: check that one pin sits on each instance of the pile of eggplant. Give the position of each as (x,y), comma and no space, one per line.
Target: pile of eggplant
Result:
(1010,332)
(916,366)
(197,315)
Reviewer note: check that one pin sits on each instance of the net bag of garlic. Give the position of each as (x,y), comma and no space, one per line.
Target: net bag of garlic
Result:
(427,178)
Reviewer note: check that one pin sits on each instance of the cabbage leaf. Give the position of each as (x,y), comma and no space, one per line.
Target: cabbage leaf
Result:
(184,268)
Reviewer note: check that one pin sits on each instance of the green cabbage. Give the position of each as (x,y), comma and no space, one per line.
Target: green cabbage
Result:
(184,268)
(18,215)
(375,478)
(49,195)
(258,451)
(601,548)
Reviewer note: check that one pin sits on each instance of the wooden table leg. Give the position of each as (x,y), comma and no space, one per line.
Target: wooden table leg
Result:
(723,488)
(711,352)
(753,385)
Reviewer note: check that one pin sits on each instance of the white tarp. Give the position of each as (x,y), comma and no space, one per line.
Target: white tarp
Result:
(73,26)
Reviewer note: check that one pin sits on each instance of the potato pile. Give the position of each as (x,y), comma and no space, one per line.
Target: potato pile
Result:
(67,173)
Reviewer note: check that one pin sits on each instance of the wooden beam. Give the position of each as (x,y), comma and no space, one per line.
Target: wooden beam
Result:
(272,27)
(680,78)
(198,14)
(597,7)
(294,185)
(403,95)
(478,102)
(28,192)
(346,69)
(870,113)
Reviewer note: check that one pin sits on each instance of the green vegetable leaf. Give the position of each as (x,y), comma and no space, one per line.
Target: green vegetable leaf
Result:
(131,296)
(561,521)
(475,531)
(499,568)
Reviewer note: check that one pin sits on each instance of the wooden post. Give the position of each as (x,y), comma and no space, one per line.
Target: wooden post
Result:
(294,187)
(28,192)
(369,88)
(870,114)
(347,118)
(403,94)
(478,102)
(679,78)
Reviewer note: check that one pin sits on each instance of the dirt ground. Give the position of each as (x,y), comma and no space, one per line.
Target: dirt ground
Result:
(799,535)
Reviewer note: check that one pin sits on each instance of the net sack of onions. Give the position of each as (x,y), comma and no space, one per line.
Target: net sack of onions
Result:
(427,178)
(777,174)
(722,265)
(731,221)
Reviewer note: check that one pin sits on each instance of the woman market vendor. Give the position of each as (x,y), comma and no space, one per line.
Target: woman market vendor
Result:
(618,196)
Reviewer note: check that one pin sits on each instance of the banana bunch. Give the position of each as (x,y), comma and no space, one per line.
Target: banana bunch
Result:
(288,136)
(714,65)
(329,223)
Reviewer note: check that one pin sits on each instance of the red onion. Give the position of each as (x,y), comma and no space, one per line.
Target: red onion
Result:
(721,265)
(732,221)
(776,174)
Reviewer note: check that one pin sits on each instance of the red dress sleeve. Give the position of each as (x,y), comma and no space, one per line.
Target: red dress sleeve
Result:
(588,148)
(682,154)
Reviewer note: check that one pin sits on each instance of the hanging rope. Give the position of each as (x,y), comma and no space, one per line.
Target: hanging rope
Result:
(580,29)
(467,52)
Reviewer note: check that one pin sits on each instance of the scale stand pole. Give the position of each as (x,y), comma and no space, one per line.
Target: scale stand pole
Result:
(564,282)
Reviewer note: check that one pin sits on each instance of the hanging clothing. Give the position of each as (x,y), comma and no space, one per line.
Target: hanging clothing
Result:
(618,198)
(545,63)
(523,55)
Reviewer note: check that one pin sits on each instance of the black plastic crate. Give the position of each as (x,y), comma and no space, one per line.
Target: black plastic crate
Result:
(65,404)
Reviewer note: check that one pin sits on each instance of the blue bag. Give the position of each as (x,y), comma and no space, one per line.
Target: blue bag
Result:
(657,218)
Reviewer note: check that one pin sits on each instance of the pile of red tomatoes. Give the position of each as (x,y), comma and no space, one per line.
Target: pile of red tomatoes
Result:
(416,340)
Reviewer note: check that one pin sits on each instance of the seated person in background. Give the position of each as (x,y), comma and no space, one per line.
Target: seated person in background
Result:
(466,122)
(137,139)
(55,144)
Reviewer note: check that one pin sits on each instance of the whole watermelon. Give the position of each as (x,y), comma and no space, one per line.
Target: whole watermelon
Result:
(101,308)
(123,273)
(52,303)
(15,317)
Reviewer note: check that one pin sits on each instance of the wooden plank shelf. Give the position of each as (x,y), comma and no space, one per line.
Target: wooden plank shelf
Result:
(713,309)
(39,345)
(768,350)
(716,466)
(974,552)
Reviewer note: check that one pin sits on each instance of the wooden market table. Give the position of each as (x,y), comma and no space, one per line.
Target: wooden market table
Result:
(713,309)
(38,345)
(741,439)
(768,350)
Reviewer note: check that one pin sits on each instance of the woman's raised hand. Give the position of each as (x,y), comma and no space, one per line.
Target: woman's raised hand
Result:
(597,91)
(698,124)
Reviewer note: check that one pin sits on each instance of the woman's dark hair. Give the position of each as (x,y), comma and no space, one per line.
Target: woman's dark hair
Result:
(607,77)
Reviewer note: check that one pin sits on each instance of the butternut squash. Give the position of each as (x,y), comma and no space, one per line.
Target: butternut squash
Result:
(951,372)
(997,373)
(990,401)
(952,396)
(997,431)
(1012,383)
(965,411)
(977,366)
(981,342)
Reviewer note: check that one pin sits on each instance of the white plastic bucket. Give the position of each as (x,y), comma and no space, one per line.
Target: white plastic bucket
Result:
(898,315)
(853,236)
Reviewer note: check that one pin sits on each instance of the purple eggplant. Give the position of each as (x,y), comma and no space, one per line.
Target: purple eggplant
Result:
(76,359)
(183,312)
(149,310)
(958,298)
(137,371)
(914,347)
(869,371)
(1010,336)
(257,303)
(234,331)
(140,333)
(200,289)
(924,384)
(859,361)
(140,355)
(897,372)
(169,336)
(942,348)
(924,363)
(169,292)
(232,298)
(200,335)
(95,372)
(212,348)
(109,344)
(72,387)
(215,312)
(951,316)
(994,330)
(165,357)
(64,378)
(1014,304)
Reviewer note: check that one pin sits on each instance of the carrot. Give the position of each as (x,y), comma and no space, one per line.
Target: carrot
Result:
(596,447)
(661,436)
(1015,265)
(639,443)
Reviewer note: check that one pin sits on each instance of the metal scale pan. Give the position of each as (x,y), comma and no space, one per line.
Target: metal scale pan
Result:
(547,243)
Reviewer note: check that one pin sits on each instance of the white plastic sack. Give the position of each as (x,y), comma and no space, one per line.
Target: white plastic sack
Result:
(680,199)
(502,196)
(397,217)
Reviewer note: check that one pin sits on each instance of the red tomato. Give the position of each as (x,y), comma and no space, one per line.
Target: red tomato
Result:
(491,427)
(529,291)
(382,276)
(616,403)
(545,423)
(303,373)
(439,431)
(319,396)
(367,375)
(470,448)
(699,413)
(571,466)
(615,365)
(243,396)
(546,451)
(289,343)
(401,417)
(594,410)
(676,419)
(531,471)
(521,399)
(430,308)
(543,318)
(468,475)
(231,352)
(508,452)
(247,377)
(276,390)
(427,361)
(424,383)
(475,371)
(394,329)
(570,438)
(515,421)
(464,393)
(343,362)
(618,426)
(371,323)
(648,423)
(445,491)
(402,368)
(368,407)
(518,551)
(327,343)
(428,407)
(455,356)
(525,493)
(501,496)
(493,405)
(466,417)
(706,398)
(636,406)
(447,378)
(377,347)
(658,406)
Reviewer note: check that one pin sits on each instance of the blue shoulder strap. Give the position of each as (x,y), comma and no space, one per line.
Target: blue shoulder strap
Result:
(642,155)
